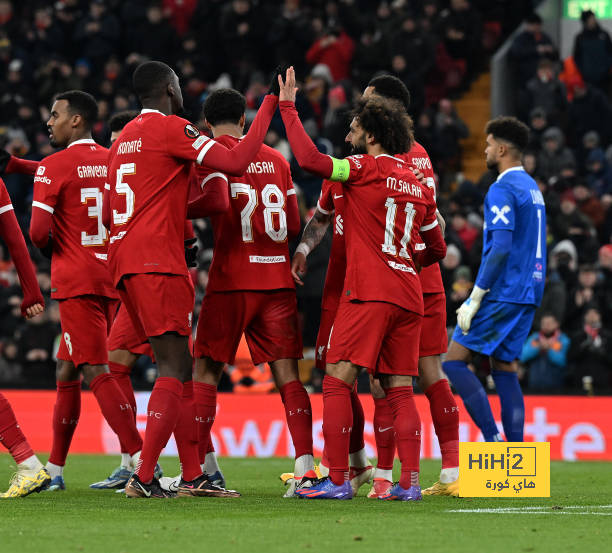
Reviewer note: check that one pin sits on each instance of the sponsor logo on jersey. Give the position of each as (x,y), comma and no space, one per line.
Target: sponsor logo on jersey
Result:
(41,170)
(46,180)
(421,162)
(191,131)
(266,259)
(401,267)
(197,143)
(500,214)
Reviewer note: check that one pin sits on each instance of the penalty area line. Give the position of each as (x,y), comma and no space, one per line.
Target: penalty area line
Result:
(540,510)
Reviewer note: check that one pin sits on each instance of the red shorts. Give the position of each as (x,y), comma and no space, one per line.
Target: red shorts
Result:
(380,336)
(434,339)
(86,321)
(158,303)
(124,336)
(325,326)
(268,319)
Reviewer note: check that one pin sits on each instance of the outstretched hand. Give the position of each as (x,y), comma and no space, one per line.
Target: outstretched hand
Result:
(287,88)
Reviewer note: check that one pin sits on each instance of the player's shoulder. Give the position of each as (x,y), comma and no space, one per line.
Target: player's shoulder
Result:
(174,122)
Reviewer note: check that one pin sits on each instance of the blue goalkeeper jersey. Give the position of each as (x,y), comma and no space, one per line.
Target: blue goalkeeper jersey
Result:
(514,202)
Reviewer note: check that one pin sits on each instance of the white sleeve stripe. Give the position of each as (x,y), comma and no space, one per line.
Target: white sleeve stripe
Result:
(212,176)
(291,192)
(43,206)
(6,208)
(321,209)
(430,226)
(205,149)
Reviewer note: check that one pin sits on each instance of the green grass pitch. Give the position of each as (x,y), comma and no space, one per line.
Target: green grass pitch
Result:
(577,516)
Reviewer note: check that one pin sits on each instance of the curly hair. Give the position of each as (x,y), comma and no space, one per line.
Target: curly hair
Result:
(509,129)
(387,121)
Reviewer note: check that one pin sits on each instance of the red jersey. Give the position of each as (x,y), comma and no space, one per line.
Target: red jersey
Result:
(70,185)
(385,208)
(251,237)
(149,167)
(332,201)
(431,277)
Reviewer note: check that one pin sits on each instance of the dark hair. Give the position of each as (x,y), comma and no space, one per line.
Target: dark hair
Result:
(151,79)
(224,105)
(548,314)
(387,121)
(121,119)
(81,103)
(509,129)
(585,15)
(389,86)
(533,18)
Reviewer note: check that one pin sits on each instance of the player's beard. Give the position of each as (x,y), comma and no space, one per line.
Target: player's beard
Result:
(493,165)
(360,148)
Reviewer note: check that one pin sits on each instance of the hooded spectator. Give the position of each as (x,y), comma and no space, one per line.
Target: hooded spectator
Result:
(599,175)
(554,153)
(593,51)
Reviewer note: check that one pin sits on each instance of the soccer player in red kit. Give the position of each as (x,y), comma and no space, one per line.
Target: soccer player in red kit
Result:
(433,334)
(250,289)
(67,217)
(30,476)
(387,211)
(149,167)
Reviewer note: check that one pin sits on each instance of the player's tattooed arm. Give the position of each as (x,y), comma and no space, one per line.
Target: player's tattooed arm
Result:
(311,237)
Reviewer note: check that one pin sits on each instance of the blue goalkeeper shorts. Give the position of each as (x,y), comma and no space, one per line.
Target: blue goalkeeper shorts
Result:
(498,329)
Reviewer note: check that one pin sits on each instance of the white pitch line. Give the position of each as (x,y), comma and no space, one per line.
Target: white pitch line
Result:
(539,510)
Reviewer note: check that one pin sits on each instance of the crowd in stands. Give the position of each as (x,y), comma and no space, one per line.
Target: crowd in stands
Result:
(436,47)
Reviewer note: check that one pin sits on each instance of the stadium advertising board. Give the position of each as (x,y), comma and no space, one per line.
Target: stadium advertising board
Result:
(578,428)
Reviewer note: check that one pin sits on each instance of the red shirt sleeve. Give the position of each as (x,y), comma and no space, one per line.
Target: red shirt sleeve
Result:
(214,196)
(326,200)
(294,221)
(11,234)
(304,150)
(47,186)
(432,237)
(188,230)
(23,166)
(235,161)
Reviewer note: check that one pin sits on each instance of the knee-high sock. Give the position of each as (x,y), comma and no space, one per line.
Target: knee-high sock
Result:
(384,434)
(473,395)
(299,416)
(356,443)
(337,421)
(205,399)
(512,404)
(11,435)
(162,413)
(65,419)
(121,373)
(407,425)
(117,411)
(445,417)
(186,435)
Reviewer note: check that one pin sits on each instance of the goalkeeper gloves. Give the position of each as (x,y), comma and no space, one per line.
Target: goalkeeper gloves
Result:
(469,308)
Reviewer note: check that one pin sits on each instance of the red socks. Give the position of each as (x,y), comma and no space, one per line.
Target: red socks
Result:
(117,411)
(356,443)
(384,433)
(337,421)
(204,447)
(445,417)
(407,425)
(186,435)
(65,418)
(299,416)
(162,415)
(11,435)
(205,399)
(121,374)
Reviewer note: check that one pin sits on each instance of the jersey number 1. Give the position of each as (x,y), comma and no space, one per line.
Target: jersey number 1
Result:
(389,244)
(273,201)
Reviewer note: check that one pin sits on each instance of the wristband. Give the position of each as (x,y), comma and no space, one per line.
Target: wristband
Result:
(303,248)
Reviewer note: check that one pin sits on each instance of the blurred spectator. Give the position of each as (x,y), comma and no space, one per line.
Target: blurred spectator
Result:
(554,300)
(450,129)
(529,47)
(334,49)
(593,51)
(538,123)
(97,35)
(589,204)
(599,175)
(545,356)
(590,354)
(590,110)
(554,154)
(586,294)
(459,291)
(573,225)
(563,262)
(547,92)
(154,37)
(371,55)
